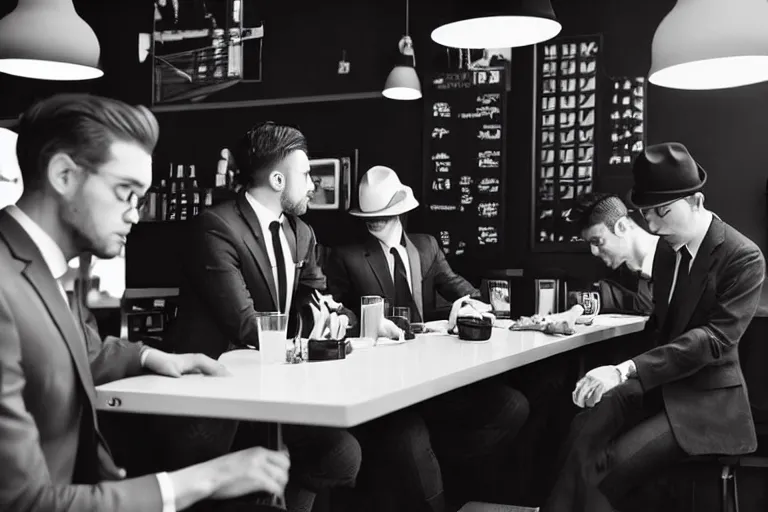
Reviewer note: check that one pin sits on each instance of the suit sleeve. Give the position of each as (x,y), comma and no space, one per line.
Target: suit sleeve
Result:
(449,284)
(615,297)
(213,271)
(25,484)
(737,297)
(112,358)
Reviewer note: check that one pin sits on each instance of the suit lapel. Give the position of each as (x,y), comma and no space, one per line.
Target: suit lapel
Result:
(414,261)
(36,272)
(296,245)
(663,270)
(376,259)
(699,272)
(257,245)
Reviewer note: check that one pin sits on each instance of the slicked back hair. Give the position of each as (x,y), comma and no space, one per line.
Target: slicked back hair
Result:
(261,148)
(82,126)
(595,208)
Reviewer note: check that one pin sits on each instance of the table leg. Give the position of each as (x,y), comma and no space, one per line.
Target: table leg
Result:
(275,442)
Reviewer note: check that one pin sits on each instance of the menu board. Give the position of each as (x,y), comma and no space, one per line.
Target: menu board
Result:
(464,163)
(567,110)
(627,127)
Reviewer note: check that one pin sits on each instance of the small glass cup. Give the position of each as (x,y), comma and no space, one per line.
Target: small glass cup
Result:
(371,313)
(272,329)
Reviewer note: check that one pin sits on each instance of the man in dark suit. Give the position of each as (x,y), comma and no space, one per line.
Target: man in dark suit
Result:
(623,246)
(253,254)
(469,428)
(86,163)
(686,396)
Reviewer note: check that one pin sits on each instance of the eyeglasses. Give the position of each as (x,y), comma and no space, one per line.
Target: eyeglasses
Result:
(123,191)
(127,195)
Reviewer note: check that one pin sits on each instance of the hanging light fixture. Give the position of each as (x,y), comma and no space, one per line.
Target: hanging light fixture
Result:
(46,39)
(500,24)
(711,44)
(403,82)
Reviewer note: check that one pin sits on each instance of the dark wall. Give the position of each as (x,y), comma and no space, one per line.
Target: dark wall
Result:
(304,40)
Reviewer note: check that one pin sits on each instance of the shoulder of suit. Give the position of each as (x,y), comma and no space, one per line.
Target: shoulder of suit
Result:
(737,241)
(421,239)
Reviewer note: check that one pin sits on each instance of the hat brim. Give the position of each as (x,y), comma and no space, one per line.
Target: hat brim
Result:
(407,204)
(649,199)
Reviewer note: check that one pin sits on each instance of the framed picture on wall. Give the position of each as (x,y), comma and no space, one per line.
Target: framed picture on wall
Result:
(326,175)
(498,296)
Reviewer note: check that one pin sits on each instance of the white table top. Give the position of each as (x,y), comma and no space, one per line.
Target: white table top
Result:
(369,383)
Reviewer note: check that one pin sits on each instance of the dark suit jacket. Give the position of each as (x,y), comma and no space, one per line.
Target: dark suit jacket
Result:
(696,361)
(362,269)
(626,292)
(49,437)
(227,278)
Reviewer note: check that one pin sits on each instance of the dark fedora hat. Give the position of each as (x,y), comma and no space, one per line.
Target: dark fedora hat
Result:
(664,173)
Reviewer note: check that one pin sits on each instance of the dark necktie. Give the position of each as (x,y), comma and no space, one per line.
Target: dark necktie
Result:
(282,284)
(681,285)
(403,296)
(683,275)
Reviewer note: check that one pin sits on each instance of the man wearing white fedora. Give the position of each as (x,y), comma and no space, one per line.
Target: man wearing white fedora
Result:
(470,428)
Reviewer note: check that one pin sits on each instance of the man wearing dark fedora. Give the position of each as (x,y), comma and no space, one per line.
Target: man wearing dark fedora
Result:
(460,437)
(686,396)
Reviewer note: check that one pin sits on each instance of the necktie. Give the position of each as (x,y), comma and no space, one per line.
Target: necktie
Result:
(683,275)
(403,296)
(282,284)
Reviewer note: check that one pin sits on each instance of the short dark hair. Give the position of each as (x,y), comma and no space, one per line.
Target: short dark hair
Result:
(262,147)
(82,126)
(595,208)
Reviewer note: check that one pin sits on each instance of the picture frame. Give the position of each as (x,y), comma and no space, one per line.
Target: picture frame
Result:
(547,296)
(327,175)
(499,297)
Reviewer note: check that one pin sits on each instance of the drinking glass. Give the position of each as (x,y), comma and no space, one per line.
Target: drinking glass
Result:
(371,313)
(272,329)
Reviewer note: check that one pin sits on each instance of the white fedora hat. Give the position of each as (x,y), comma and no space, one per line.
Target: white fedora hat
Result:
(382,195)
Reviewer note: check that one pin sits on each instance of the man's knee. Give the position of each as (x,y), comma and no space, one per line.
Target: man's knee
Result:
(340,461)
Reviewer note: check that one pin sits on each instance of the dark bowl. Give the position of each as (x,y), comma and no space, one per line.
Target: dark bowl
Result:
(474,329)
(328,350)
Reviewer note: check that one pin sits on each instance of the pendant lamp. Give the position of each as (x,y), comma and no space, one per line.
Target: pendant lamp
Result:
(46,39)
(403,82)
(499,24)
(711,44)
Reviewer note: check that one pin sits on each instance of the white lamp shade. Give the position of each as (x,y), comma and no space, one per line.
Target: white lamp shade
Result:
(496,32)
(402,84)
(499,24)
(711,44)
(46,39)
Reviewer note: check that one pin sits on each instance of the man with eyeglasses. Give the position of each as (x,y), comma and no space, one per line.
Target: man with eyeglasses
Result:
(686,396)
(86,162)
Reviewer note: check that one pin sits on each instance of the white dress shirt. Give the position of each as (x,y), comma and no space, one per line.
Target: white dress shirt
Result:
(646,267)
(266,217)
(693,248)
(57,264)
(392,239)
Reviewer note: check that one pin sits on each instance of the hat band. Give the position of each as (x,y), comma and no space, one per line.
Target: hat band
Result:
(397,197)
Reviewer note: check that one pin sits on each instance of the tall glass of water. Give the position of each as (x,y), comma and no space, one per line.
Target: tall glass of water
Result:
(272,329)
(371,313)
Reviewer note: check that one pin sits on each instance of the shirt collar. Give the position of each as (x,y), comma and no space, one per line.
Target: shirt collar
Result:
(50,250)
(264,214)
(646,268)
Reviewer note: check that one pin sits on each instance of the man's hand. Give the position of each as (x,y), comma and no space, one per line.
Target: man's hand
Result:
(176,365)
(388,329)
(252,470)
(466,307)
(591,388)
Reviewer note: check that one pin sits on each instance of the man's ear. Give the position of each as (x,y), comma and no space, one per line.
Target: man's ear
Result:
(277,180)
(62,174)
(621,227)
